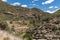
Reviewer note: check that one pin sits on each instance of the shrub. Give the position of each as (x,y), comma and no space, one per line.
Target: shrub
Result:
(4,26)
(26,35)
(6,38)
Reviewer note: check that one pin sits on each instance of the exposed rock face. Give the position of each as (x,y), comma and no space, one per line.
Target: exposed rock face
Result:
(44,33)
(17,26)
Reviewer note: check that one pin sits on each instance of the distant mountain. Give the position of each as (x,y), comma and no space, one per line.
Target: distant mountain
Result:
(19,11)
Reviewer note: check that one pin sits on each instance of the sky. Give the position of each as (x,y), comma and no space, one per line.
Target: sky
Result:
(50,6)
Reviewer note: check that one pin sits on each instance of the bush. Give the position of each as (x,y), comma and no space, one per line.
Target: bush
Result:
(57,32)
(6,38)
(4,26)
(26,35)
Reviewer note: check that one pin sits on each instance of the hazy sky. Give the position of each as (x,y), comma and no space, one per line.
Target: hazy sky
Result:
(45,5)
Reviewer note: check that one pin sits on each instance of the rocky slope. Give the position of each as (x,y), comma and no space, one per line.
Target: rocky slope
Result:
(29,23)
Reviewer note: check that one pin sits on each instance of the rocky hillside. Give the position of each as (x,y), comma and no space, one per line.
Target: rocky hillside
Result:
(29,23)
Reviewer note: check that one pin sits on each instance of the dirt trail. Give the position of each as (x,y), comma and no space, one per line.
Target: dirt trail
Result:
(4,34)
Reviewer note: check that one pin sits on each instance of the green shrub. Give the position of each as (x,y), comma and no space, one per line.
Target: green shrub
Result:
(4,26)
(26,35)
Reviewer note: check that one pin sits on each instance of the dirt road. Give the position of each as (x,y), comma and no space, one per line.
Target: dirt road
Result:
(4,34)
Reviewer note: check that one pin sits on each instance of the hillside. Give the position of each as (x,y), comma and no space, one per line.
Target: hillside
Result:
(29,23)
